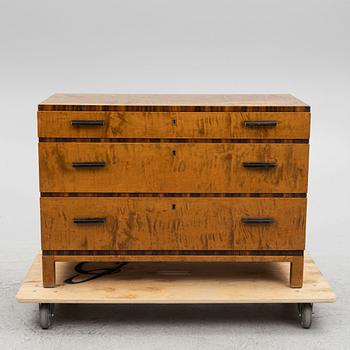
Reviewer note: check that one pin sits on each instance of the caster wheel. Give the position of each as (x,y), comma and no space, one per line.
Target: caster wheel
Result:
(46,315)
(305,314)
(52,309)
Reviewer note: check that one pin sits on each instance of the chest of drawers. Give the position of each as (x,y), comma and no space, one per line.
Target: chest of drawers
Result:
(202,178)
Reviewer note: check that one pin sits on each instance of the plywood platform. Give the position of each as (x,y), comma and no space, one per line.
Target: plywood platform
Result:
(171,283)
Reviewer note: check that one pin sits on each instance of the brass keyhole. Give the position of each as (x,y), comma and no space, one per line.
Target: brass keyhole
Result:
(174,152)
(173,206)
(173,121)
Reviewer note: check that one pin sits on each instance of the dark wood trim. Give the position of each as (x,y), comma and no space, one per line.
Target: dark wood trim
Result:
(176,252)
(195,195)
(140,108)
(171,140)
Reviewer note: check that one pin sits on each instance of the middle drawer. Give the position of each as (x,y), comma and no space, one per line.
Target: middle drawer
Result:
(173,167)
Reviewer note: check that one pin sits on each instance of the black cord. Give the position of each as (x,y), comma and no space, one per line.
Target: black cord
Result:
(94,273)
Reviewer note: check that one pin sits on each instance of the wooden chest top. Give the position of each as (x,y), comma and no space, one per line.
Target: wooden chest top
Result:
(174,103)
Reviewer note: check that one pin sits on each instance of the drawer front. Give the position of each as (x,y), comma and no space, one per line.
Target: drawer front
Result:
(244,125)
(162,223)
(173,167)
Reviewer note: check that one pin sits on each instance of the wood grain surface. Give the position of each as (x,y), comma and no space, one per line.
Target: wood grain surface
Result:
(49,271)
(297,272)
(176,103)
(173,283)
(172,178)
(182,125)
(171,167)
(173,223)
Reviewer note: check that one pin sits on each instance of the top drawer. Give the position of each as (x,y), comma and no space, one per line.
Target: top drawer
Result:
(239,125)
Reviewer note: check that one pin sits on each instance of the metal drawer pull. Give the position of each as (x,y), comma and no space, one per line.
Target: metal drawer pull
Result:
(88,164)
(259,164)
(89,220)
(255,123)
(258,220)
(87,122)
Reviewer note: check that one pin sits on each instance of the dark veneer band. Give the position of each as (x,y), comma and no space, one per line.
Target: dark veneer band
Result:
(116,108)
(177,252)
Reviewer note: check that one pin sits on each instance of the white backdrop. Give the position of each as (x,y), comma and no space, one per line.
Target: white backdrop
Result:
(182,46)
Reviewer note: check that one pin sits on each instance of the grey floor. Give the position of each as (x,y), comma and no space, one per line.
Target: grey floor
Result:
(173,326)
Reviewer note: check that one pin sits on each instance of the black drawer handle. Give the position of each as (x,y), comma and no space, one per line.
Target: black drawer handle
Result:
(87,122)
(259,164)
(88,164)
(89,220)
(256,123)
(258,220)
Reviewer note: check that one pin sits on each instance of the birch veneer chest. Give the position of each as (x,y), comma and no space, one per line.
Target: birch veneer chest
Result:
(202,178)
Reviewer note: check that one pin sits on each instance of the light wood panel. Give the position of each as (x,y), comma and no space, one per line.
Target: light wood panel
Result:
(173,224)
(182,283)
(166,102)
(174,125)
(172,167)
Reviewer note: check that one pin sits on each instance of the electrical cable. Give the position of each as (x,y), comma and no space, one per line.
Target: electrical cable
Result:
(93,273)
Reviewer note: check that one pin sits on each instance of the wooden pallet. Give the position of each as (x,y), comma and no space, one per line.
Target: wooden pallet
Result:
(183,283)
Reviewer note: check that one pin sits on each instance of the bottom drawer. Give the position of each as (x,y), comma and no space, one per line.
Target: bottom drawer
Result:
(176,223)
